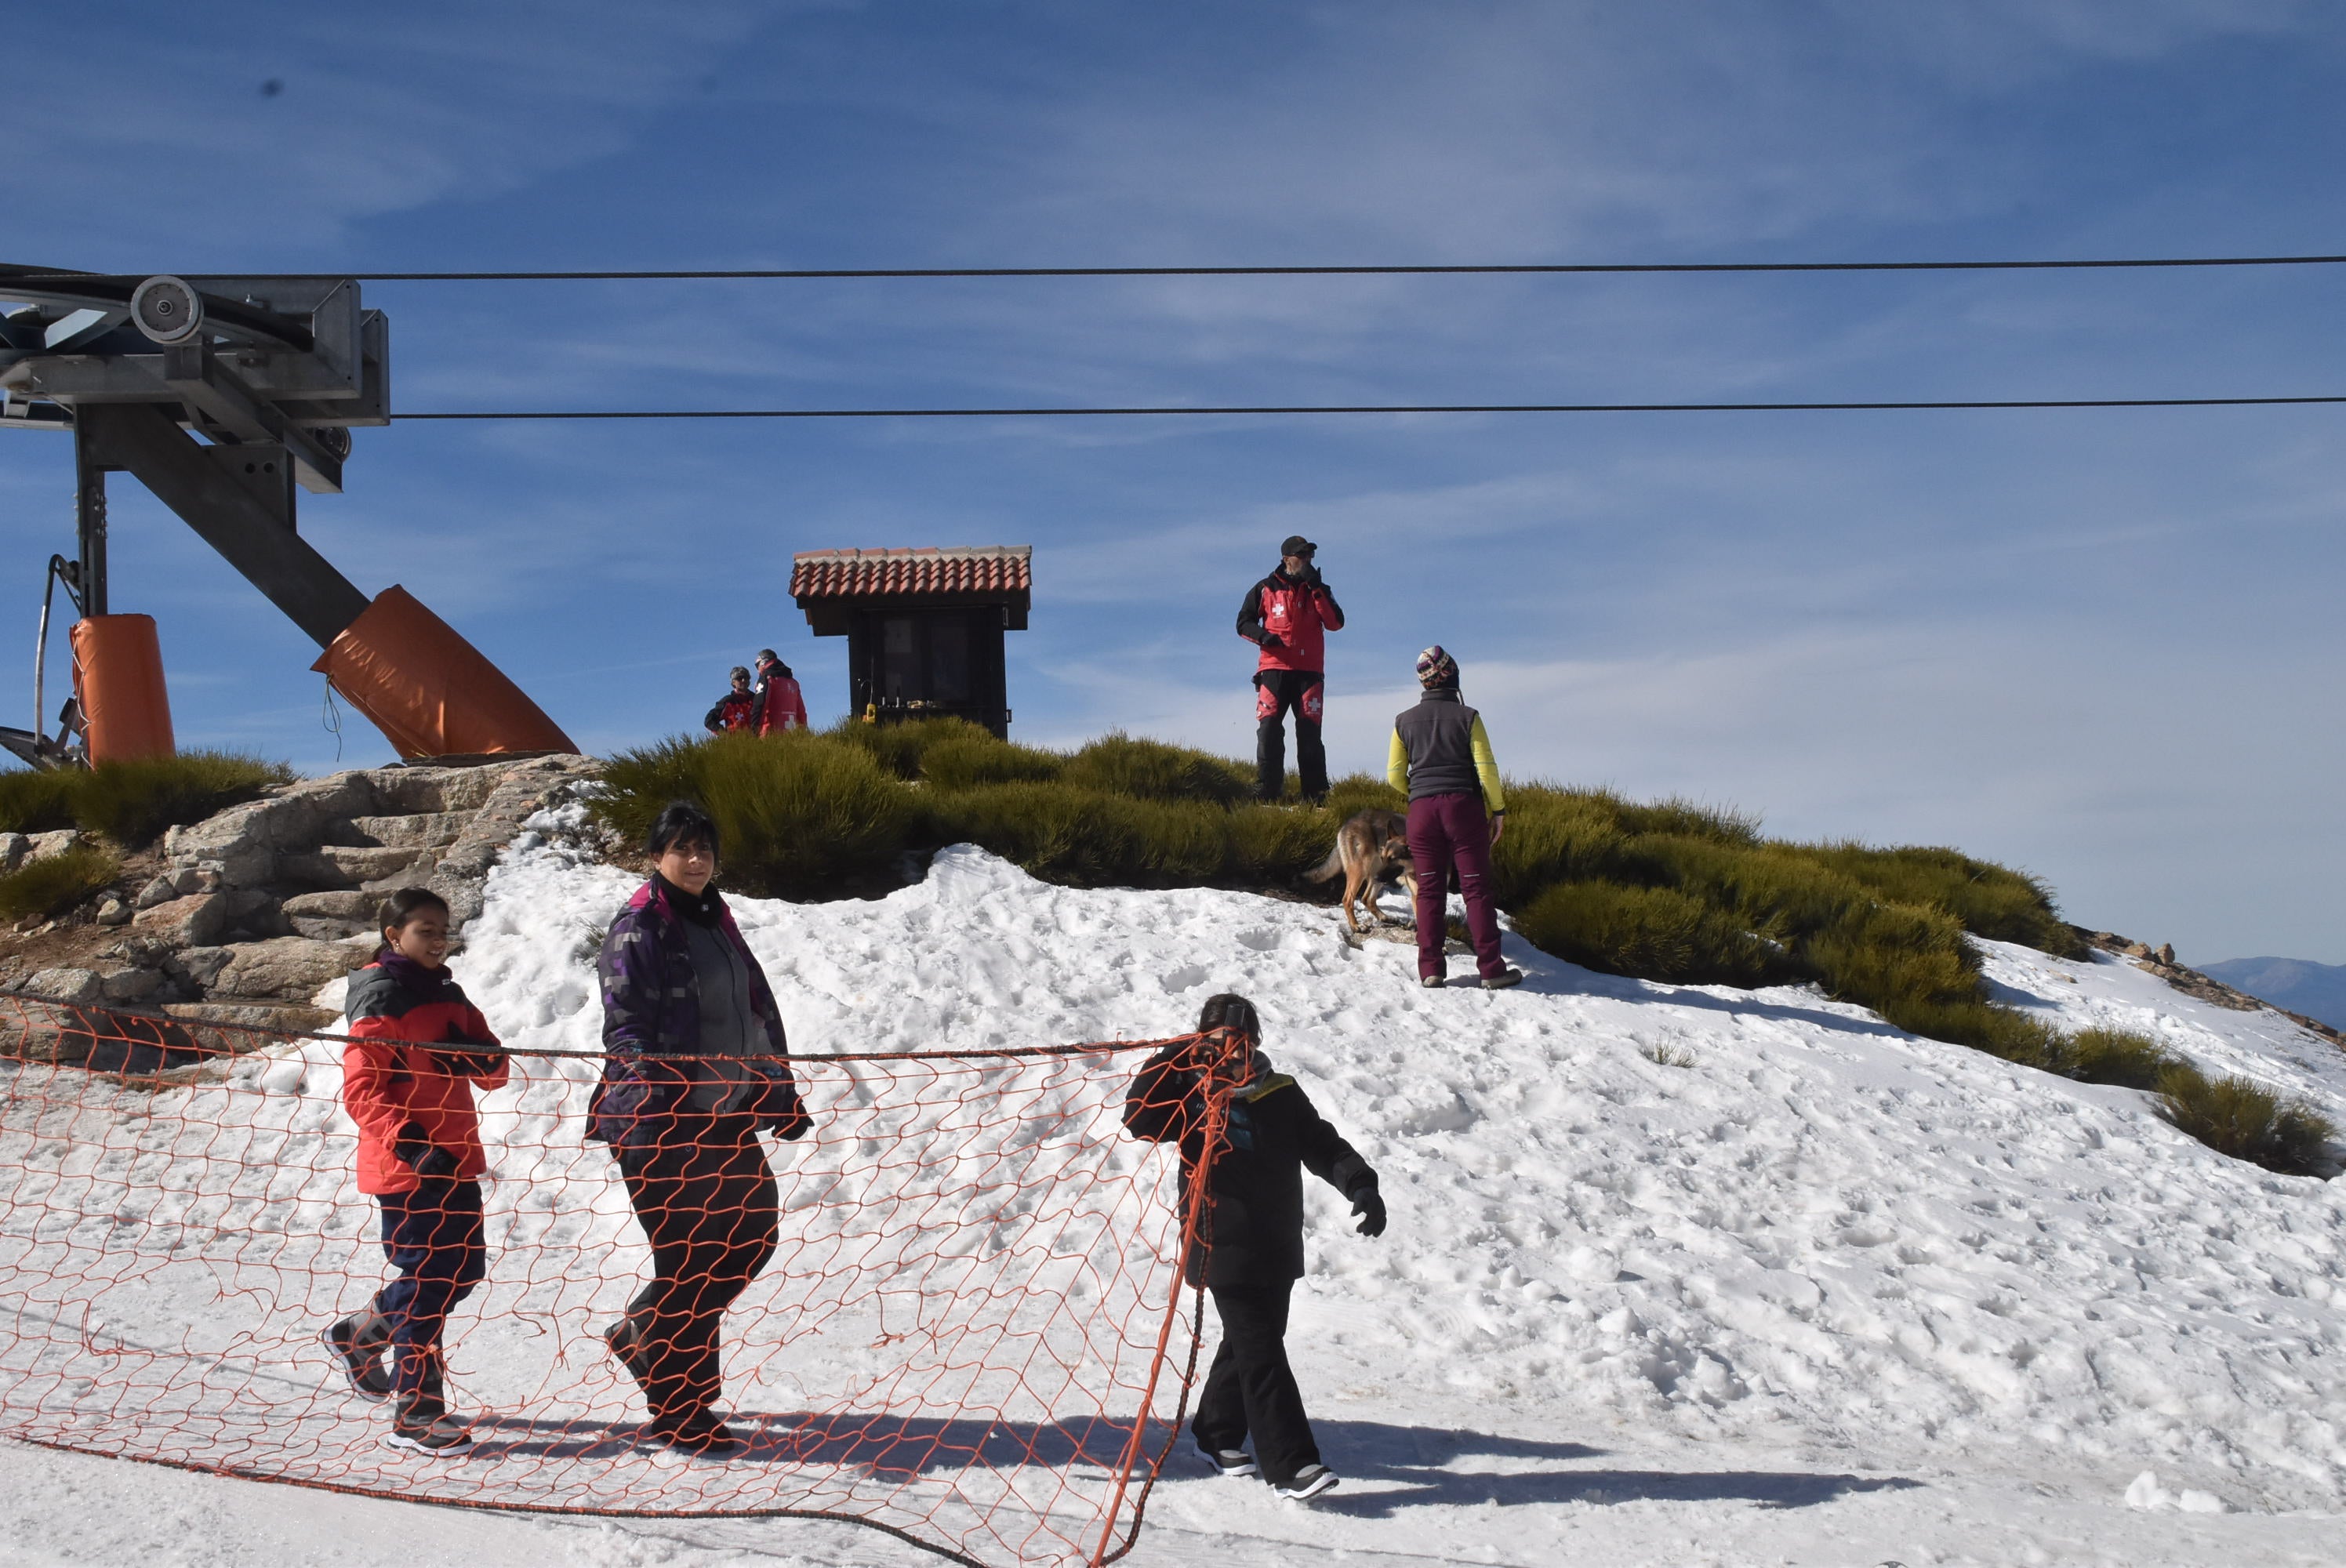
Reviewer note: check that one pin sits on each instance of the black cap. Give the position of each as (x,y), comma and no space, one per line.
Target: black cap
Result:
(1296,545)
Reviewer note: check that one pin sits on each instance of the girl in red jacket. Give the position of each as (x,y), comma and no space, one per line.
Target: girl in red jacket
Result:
(418,1049)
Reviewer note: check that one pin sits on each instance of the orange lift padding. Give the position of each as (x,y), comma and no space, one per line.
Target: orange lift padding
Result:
(118,669)
(429,689)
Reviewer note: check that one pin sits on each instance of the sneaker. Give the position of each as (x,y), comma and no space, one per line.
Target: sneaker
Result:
(359,1354)
(1309,1482)
(427,1431)
(1232,1461)
(1504,979)
(1431,981)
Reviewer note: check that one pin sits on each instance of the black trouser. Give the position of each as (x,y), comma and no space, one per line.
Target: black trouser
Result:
(709,1208)
(432,1236)
(1276,692)
(1251,1390)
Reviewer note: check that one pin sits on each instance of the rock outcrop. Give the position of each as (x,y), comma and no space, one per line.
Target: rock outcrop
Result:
(258,908)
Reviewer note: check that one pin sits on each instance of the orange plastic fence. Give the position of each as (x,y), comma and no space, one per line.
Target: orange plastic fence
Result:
(974,1336)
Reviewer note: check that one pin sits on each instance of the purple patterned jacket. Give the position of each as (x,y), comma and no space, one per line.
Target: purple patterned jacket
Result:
(651,1010)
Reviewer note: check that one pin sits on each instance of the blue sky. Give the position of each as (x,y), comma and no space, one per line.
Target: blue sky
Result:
(2099,644)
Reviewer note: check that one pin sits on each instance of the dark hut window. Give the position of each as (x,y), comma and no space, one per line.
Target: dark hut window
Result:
(949,659)
(900,661)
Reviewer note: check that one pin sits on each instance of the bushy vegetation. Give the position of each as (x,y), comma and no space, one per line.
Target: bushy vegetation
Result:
(55,883)
(1668,890)
(34,802)
(801,815)
(2238,1117)
(132,802)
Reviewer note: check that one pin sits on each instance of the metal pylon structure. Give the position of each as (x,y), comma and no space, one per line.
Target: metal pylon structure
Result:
(225,396)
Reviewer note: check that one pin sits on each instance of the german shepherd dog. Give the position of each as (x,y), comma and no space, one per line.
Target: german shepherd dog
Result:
(1371,848)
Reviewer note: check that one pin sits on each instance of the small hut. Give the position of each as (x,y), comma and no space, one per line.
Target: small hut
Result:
(923,627)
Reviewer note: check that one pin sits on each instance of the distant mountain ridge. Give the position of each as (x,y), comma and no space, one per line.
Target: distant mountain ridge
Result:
(2298,984)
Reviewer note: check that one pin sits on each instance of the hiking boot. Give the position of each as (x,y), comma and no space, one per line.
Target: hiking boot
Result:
(1309,1482)
(423,1425)
(357,1345)
(1504,979)
(1231,1462)
(1431,981)
(626,1346)
(701,1435)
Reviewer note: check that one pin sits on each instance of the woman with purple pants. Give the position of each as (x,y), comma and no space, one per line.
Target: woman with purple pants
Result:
(1457,809)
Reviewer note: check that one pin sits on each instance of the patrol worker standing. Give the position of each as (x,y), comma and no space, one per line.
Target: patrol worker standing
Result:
(1288,616)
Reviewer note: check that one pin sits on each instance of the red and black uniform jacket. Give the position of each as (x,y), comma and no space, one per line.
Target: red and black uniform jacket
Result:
(1253,1224)
(1290,619)
(734,710)
(781,707)
(397,1092)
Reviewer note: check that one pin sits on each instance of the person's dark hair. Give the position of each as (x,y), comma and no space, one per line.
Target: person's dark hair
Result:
(680,822)
(408,903)
(1229,1012)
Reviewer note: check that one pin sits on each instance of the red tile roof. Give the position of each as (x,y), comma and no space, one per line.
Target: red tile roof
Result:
(1004,569)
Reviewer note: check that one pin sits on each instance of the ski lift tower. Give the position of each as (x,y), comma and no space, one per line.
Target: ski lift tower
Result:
(223,395)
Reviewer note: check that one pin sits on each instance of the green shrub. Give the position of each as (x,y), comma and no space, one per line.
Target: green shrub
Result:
(1115,764)
(1992,901)
(2118,1056)
(36,800)
(1273,845)
(1652,933)
(801,815)
(1363,792)
(899,748)
(1719,824)
(967,762)
(2238,1117)
(1552,836)
(131,802)
(1084,839)
(55,883)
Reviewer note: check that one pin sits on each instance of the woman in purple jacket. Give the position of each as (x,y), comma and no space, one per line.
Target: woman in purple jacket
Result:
(696,1066)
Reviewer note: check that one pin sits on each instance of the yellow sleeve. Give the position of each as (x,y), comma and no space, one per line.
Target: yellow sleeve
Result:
(1487,767)
(1397,763)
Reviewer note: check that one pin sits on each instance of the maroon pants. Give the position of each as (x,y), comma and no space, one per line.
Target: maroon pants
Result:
(1446,831)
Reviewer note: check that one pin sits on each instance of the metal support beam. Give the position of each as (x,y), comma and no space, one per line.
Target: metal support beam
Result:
(218,393)
(147,442)
(89,523)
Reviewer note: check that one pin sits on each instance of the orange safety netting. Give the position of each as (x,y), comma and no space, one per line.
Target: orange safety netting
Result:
(972,1334)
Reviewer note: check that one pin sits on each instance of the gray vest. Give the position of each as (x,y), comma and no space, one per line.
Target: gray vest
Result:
(1439,736)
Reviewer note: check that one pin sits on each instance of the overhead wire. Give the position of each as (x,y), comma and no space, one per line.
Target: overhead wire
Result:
(1146,409)
(1433,269)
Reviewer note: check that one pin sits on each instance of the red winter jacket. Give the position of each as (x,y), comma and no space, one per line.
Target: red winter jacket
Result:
(779,706)
(734,710)
(396,1005)
(1298,614)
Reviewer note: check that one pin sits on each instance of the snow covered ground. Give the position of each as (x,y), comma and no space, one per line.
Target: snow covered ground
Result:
(1676,1275)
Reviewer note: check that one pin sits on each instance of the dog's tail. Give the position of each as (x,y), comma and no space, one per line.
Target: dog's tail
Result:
(1331,868)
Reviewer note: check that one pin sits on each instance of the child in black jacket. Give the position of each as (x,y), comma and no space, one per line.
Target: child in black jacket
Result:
(1250,1251)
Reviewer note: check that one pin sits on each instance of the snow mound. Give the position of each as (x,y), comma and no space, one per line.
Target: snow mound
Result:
(1821,1230)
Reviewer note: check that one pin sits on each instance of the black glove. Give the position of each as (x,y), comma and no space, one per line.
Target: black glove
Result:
(420,1155)
(1311,575)
(1372,1210)
(792,1125)
(1273,641)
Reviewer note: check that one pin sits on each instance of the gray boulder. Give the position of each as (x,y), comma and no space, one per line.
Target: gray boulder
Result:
(200,920)
(66,984)
(288,967)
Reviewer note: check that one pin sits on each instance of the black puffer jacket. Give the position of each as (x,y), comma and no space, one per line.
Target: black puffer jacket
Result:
(1254,1221)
